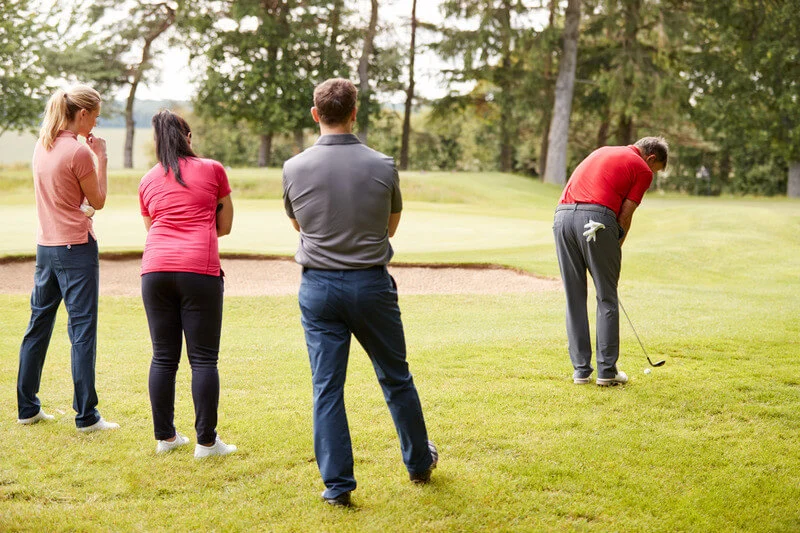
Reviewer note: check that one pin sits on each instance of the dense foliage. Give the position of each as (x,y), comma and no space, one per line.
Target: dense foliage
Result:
(717,78)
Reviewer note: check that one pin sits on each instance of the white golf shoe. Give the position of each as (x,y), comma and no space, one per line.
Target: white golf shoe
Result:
(38,417)
(100,425)
(164,446)
(620,379)
(218,448)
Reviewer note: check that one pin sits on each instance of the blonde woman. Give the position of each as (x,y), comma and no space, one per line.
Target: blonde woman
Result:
(69,185)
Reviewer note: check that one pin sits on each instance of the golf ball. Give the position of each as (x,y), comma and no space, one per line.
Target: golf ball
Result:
(647,370)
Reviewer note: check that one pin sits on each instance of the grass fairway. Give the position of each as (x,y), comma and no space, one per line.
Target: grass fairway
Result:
(709,442)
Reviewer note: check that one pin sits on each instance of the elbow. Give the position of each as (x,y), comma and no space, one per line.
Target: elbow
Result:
(224,229)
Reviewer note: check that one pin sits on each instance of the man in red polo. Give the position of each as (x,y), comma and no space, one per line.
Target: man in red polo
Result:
(591,222)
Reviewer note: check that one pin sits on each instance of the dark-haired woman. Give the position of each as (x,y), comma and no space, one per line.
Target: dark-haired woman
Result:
(186,205)
(65,175)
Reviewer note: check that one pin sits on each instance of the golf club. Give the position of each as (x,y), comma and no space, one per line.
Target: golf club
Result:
(657,363)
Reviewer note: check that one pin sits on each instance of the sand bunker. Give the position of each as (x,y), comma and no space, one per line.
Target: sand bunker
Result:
(269,277)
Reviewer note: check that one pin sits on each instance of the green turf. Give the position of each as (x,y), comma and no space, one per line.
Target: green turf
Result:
(706,443)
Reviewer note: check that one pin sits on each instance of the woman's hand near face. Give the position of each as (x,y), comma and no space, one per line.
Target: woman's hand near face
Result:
(98,146)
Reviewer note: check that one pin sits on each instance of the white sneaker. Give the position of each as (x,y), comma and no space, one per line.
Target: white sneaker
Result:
(164,446)
(580,381)
(218,448)
(100,425)
(620,379)
(41,415)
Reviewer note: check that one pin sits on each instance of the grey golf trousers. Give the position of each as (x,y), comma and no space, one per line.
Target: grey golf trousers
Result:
(602,257)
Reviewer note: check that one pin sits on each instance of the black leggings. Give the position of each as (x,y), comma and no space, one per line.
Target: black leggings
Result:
(180,303)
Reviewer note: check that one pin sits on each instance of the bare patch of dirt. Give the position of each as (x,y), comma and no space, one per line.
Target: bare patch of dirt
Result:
(271,276)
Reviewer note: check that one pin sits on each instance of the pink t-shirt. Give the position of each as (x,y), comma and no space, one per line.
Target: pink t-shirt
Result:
(183,237)
(57,177)
(608,176)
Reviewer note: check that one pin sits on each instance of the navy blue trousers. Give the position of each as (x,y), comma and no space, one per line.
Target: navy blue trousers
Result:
(72,274)
(335,304)
(178,304)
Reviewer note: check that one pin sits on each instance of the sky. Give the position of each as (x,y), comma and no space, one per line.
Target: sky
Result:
(173,82)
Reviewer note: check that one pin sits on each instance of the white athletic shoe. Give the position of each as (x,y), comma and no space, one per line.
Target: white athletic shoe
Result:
(218,448)
(38,417)
(100,425)
(620,379)
(580,381)
(164,446)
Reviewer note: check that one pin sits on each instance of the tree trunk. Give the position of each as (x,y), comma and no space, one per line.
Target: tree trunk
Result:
(409,92)
(602,131)
(332,55)
(556,166)
(298,141)
(363,74)
(625,129)
(506,101)
(129,126)
(506,124)
(265,150)
(543,145)
(793,186)
(630,47)
(549,94)
(725,168)
(137,78)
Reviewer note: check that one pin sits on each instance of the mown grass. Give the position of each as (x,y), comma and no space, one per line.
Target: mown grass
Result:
(706,443)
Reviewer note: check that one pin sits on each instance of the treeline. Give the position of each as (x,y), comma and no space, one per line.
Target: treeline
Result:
(548,81)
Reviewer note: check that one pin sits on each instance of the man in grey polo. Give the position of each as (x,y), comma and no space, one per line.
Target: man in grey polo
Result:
(344,199)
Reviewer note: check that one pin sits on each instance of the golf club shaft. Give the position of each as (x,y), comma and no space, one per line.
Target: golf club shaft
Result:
(634,331)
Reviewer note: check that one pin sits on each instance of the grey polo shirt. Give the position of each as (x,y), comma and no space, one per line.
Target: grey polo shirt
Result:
(341,193)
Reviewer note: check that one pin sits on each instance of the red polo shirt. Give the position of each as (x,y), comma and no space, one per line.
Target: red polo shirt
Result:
(608,176)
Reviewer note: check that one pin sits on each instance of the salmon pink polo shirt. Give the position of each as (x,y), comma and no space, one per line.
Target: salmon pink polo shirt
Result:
(183,236)
(57,177)
(608,176)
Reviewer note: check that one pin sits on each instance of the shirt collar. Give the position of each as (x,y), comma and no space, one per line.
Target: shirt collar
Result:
(338,138)
(65,133)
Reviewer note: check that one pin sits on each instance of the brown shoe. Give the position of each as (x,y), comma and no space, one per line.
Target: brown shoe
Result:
(342,500)
(424,477)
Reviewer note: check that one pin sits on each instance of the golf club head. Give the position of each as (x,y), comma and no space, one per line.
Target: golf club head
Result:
(657,363)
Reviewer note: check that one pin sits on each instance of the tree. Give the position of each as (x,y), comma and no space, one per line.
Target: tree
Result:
(154,20)
(104,54)
(488,53)
(265,75)
(556,166)
(409,90)
(365,91)
(549,89)
(743,72)
(23,87)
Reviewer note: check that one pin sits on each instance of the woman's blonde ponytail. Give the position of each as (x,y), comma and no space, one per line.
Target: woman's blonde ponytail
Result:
(61,109)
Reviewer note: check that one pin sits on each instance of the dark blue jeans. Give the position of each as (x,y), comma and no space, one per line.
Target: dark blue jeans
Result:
(178,304)
(335,304)
(71,273)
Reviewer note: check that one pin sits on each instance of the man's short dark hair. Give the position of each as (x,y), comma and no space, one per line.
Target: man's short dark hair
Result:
(335,100)
(656,146)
